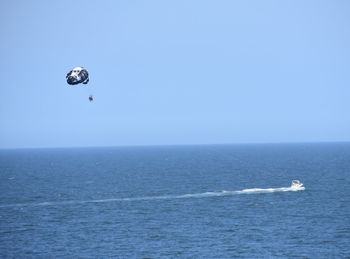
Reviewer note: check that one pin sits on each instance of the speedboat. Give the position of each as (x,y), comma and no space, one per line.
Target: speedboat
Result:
(296,184)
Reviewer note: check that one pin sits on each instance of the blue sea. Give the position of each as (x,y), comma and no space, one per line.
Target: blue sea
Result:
(205,201)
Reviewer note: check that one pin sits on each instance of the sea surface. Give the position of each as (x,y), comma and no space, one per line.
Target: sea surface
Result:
(210,201)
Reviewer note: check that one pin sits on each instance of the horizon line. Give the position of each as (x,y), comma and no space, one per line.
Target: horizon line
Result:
(183,145)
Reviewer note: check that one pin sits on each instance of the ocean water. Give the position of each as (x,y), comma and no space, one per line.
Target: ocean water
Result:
(215,201)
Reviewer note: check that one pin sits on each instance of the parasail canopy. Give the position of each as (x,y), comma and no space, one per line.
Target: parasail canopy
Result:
(78,75)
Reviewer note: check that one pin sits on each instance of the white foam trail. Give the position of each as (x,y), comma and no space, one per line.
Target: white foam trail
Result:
(283,189)
(164,197)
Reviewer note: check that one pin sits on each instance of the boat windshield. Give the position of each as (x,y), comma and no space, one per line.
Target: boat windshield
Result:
(296,182)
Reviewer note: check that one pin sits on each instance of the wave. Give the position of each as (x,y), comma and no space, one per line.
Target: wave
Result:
(164,197)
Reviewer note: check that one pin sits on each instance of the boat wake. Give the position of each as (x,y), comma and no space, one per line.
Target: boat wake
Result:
(296,186)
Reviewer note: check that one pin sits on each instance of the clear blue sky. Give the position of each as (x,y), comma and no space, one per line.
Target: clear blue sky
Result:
(174,72)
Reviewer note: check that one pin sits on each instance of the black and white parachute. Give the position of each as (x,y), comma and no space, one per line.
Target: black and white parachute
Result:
(78,75)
